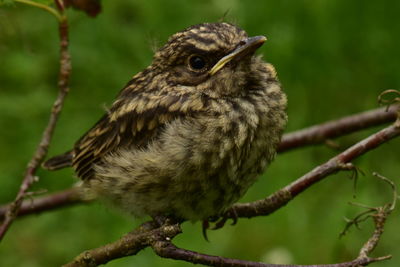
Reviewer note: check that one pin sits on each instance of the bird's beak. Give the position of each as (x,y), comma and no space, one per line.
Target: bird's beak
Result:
(249,45)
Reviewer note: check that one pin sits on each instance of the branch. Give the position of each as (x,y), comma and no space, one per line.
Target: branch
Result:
(159,238)
(128,245)
(41,150)
(166,249)
(313,135)
(54,201)
(320,133)
(340,162)
(161,243)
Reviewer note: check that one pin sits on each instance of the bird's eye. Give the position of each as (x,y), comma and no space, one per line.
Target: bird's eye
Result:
(197,62)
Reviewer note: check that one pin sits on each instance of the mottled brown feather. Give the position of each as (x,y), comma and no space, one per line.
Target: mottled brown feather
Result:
(130,129)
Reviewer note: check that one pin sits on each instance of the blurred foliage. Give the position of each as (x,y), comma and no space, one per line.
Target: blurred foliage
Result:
(333,58)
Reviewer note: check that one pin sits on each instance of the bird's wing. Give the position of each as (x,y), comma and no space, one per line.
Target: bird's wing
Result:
(122,126)
(129,124)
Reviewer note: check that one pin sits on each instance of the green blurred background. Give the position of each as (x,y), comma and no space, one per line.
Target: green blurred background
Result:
(333,58)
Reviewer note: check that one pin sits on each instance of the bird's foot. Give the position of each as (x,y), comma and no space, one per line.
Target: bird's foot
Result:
(219,221)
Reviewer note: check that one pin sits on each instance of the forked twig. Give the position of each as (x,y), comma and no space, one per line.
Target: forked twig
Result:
(41,150)
(379,216)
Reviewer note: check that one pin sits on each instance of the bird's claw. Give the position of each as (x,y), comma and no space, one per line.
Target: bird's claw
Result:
(219,222)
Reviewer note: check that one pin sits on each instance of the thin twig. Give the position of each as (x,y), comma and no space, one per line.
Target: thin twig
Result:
(379,216)
(389,101)
(41,150)
(165,249)
(319,133)
(46,203)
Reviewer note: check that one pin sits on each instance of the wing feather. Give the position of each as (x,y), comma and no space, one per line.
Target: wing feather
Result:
(127,126)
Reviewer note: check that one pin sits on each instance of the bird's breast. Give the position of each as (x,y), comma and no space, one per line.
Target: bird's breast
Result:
(198,165)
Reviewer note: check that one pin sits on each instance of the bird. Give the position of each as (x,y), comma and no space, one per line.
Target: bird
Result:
(187,136)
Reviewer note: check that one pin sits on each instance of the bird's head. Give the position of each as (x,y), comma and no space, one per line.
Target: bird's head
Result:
(211,58)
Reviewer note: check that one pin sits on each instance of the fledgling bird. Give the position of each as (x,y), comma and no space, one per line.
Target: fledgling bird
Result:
(189,134)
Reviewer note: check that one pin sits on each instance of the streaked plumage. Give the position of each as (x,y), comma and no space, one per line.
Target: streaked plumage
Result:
(188,135)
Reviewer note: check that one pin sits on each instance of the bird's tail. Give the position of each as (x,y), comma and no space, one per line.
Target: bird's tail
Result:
(58,162)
